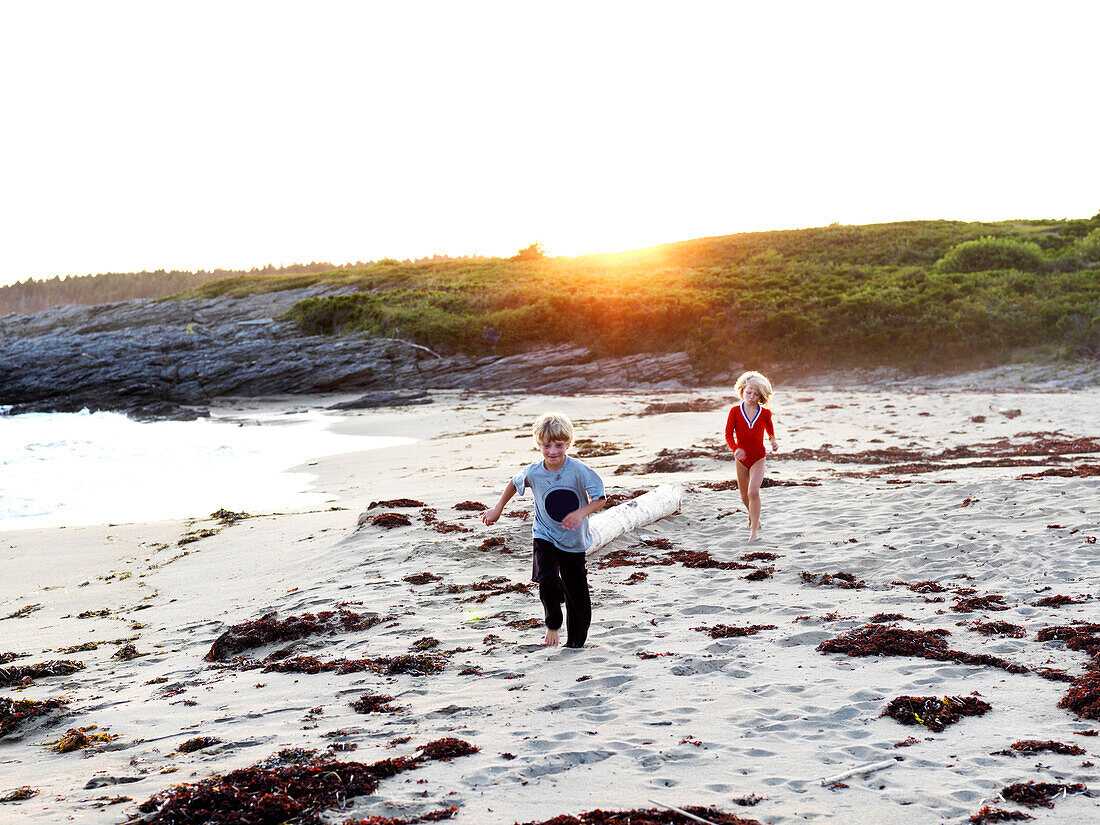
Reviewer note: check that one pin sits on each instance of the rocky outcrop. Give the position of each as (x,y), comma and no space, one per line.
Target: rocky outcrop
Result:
(155,359)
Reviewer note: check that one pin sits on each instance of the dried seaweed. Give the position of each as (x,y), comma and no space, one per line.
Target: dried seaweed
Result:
(198,743)
(888,640)
(1080,471)
(701,559)
(725,631)
(1029,747)
(883,618)
(473,506)
(1083,697)
(228,517)
(1034,794)
(408,664)
(429,517)
(422,578)
(759,555)
(273,792)
(15,713)
(1013,631)
(447,749)
(375,703)
(496,586)
(396,502)
(695,405)
(19,794)
(1059,601)
(927,587)
(269,629)
(994,601)
(431,816)
(494,541)
(843,580)
(934,712)
(987,815)
(76,739)
(17,674)
(759,574)
(647,816)
(390,520)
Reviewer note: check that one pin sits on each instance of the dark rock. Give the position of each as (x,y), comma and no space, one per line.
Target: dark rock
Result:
(168,359)
(383,399)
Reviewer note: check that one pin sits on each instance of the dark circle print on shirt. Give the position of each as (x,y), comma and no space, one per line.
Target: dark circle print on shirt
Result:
(560,503)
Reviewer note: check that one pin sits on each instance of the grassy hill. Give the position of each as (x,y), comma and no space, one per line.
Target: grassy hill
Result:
(920,293)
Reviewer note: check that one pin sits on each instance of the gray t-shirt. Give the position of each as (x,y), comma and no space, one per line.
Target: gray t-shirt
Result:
(556,496)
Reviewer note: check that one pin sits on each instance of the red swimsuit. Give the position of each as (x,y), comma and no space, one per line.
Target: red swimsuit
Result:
(748,435)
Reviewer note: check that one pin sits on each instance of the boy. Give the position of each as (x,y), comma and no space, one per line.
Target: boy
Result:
(566,492)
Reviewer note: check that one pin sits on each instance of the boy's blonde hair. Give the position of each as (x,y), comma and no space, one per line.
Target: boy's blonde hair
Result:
(754,379)
(553,426)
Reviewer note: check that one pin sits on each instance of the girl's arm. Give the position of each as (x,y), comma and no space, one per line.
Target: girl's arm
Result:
(731,433)
(490,516)
(770,429)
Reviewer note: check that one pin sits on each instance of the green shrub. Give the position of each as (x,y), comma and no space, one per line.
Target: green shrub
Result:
(989,253)
(1089,246)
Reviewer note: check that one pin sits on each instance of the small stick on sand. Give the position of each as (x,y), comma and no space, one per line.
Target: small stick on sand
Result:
(682,812)
(860,771)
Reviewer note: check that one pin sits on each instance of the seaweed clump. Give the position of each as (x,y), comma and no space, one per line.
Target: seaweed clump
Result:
(934,712)
(411,664)
(1034,794)
(888,640)
(992,602)
(648,816)
(1030,747)
(390,520)
(374,703)
(1058,601)
(987,815)
(844,580)
(273,792)
(15,713)
(1013,631)
(1083,697)
(269,629)
(19,673)
(496,586)
(725,631)
(198,743)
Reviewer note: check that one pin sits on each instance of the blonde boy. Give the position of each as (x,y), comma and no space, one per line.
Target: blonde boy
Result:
(566,492)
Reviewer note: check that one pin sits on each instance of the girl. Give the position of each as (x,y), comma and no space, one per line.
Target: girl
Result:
(745,429)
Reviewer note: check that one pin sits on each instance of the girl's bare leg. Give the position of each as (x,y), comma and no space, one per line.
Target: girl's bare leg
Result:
(756,478)
(743,484)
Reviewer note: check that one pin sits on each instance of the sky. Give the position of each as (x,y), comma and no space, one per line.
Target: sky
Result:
(198,135)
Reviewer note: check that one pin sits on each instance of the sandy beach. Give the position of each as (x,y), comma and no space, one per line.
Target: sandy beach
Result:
(910,506)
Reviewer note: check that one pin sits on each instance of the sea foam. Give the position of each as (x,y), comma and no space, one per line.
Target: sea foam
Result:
(98,468)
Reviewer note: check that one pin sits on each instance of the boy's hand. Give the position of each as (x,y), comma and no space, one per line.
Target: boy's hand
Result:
(490,516)
(573,520)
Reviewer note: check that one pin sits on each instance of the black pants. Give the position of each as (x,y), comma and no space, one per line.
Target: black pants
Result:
(562,577)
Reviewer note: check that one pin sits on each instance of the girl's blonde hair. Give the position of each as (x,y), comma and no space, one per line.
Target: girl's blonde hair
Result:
(754,379)
(553,426)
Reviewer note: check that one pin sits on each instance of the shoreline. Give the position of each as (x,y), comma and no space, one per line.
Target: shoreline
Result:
(653,708)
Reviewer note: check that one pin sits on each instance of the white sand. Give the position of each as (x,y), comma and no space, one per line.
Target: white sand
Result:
(562,732)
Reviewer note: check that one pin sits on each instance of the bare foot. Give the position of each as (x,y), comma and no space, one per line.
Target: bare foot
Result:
(551,639)
(754,534)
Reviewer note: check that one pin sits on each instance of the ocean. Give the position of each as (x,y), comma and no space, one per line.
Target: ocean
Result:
(103,468)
